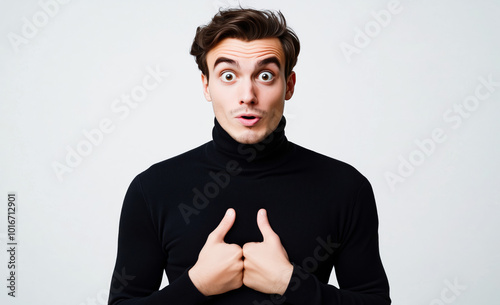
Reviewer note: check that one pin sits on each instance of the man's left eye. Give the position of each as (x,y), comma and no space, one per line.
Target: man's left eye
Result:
(266,76)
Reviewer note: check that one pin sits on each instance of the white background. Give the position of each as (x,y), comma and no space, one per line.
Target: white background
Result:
(438,223)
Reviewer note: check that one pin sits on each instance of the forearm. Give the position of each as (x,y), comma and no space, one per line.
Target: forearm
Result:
(180,292)
(305,289)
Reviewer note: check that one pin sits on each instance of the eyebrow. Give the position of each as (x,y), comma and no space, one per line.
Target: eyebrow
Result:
(226,60)
(263,62)
(269,60)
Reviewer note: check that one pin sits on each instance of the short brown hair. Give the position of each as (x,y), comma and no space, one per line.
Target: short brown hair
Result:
(245,24)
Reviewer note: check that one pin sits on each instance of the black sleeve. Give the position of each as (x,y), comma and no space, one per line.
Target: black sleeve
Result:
(140,260)
(358,267)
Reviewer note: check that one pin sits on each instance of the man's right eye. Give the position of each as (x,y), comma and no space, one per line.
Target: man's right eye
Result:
(228,76)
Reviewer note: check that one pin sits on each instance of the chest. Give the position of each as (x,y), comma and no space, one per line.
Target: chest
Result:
(304,214)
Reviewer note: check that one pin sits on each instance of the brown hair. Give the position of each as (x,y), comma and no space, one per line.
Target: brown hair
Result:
(245,24)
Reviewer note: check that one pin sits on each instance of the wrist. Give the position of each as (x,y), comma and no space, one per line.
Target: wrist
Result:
(285,280)
(193,276)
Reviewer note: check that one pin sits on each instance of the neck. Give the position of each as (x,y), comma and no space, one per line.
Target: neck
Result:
(269,150)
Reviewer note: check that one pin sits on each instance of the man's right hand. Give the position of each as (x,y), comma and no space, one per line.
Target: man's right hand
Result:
(219,267)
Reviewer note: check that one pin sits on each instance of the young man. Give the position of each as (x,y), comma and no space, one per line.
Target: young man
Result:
(249,217)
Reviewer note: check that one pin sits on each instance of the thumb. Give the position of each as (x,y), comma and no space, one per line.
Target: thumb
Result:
(264,226)
(224,226)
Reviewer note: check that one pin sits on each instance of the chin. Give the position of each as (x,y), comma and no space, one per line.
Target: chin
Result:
(250,137)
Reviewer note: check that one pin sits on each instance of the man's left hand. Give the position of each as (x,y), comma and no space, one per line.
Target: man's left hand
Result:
(266,265)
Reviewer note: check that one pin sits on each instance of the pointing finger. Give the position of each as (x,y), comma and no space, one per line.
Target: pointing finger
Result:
(224,226)
(264,226)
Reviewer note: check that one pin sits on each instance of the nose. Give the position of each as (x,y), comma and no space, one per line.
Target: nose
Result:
(248,92)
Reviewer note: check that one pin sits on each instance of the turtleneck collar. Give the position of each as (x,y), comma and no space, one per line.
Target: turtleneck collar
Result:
(272,148)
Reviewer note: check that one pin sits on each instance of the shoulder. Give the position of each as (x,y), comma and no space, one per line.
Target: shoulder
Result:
(330,167)
(178,164)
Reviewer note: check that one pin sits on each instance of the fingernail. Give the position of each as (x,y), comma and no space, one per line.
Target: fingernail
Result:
(229,212)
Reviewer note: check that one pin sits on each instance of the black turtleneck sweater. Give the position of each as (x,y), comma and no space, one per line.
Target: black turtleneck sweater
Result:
(322,209)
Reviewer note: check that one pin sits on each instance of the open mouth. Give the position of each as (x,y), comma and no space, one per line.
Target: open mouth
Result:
(248,120)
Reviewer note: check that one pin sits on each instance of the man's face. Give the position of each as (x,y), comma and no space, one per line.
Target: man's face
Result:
(247,87)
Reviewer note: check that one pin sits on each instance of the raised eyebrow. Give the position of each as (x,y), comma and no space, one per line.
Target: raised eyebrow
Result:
(269,60)
(226,60)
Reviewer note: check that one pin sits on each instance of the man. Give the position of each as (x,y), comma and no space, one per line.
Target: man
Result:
(249,217)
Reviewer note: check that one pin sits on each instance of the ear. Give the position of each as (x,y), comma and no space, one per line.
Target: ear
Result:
(290,86)
(206,90)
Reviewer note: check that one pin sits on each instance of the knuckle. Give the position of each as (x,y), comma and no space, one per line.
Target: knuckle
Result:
(236,255)
(239,266)
(247,266)
(248,247)
(235,249)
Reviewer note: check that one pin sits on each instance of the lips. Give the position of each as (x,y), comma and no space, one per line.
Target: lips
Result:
(248,120)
